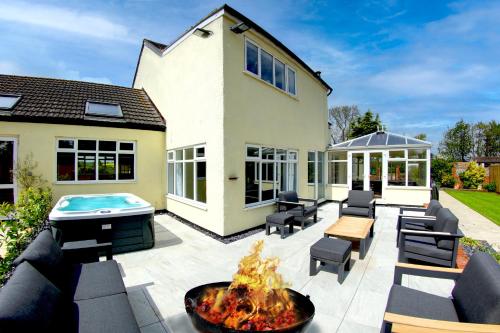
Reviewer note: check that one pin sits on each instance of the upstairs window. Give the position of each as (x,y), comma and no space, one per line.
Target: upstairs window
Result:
(7,102)
(269,69)
(103,109)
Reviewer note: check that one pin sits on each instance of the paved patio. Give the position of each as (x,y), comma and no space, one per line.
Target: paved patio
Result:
(183,258)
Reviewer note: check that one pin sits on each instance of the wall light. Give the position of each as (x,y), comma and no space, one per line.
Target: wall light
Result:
(202,32)
(239,28)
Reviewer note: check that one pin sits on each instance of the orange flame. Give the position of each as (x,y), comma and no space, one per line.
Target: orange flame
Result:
(257,298)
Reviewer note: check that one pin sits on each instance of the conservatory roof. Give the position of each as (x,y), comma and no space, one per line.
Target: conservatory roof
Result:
(382,140)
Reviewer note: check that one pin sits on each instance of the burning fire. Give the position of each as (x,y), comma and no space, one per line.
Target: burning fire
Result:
(257,298)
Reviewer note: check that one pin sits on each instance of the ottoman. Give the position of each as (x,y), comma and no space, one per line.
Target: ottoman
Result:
(279,220)
(333,251)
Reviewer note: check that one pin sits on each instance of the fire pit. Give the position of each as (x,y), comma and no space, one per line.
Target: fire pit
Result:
(256,300)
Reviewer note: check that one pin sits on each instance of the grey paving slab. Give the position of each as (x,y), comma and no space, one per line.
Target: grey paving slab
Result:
(185,258)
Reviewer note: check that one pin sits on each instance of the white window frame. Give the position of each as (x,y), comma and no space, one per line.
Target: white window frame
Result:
(346,161)
(408,161)
(195,160)
(259,75)
(75,150)
(12,186)
(276,163)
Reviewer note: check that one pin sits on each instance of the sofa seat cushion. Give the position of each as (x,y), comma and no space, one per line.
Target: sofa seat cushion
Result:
(331,249)
(46,256)
(415,303)
(357,211)
(424,247)
(308,211)
(477,291)
(104,314)
(29,302)
(95,279)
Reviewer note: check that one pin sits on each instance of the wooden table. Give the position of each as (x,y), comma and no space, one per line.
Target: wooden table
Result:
(352,228)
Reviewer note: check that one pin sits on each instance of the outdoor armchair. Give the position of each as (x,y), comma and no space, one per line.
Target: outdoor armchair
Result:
(474,305)
(290,202)
(418,222)
(359,203)
(439,246)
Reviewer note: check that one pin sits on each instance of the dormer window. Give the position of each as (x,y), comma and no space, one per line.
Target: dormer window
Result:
(7,101)
(103,109)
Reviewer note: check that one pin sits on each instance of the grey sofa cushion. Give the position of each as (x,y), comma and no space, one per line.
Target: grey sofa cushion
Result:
(46,256)
(433,208)
(359,198)
(308,211)
(290,196)
(446,221)
(96,279)
(416,226)
(331,249)
(415,303)
(29,302)
(427,249)
(358,211)
(105,314)
(477,292)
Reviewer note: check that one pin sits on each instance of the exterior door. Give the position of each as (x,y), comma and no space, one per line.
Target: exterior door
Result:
(8,190)
(358,171)
(320,182)
(376,173)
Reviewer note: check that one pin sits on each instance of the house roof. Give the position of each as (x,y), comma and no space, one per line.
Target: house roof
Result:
(381,139)
(488,159)
(45,100)
(161,48)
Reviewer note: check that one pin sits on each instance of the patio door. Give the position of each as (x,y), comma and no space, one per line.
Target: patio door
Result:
(316,173)
(358,171)
(376,173)
(8,190)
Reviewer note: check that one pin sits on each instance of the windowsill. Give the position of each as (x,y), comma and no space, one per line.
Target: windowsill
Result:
(419,188)
(97,182)
(252,75)
(193,203)
(259,205)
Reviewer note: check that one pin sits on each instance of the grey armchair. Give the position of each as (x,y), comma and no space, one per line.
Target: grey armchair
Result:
(289,202)
(359,203)
(418,222)
(438,247)
(474,305)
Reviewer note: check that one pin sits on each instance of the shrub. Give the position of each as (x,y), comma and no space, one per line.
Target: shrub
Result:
(448,181)
(473,176)
(490,187)
(440,168)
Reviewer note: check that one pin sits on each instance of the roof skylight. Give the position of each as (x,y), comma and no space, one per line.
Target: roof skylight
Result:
(7,102)
(103,109)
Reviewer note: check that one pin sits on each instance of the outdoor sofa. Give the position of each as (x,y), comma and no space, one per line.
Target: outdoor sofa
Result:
(474,305)
(439,246)
(359,203)
(290,203)
(46,293)
(413,221)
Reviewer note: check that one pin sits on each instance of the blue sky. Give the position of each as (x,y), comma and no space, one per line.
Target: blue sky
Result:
(422,65)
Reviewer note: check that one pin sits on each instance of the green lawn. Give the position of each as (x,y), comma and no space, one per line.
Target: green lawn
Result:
(485,203)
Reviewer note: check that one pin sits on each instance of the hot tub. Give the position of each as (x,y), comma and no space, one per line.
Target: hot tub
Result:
(123,219)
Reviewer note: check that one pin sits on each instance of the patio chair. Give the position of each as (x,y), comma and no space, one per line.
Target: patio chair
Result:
(359,203)
(418,222)
(474,305)
(289,202)
(438,247)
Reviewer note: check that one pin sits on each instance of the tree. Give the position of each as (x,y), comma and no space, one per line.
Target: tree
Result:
(421,136)
(492,139)
(473,176)
(457,142)
(341,118)
(364,124)
(440,168)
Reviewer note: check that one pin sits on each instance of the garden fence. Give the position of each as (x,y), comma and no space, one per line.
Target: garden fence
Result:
(495,175)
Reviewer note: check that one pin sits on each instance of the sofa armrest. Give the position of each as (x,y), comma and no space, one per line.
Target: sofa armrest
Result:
(423,217)
(290,203)
(431,233)
(314,201)
(424,270)
(402,323)
(87,246)
(412,209)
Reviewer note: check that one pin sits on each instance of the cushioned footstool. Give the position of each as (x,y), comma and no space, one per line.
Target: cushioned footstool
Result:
(279,220)
(333,251)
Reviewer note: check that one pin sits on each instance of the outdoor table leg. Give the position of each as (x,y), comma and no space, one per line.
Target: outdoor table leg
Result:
(362,248)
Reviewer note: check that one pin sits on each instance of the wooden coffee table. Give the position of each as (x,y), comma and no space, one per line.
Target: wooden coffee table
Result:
(352,228)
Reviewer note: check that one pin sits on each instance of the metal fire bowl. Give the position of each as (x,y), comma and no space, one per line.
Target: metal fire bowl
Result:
(302,303)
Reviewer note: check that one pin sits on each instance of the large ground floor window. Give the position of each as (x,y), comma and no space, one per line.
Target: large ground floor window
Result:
(84,160)
(407,167)
(268,171)
(187,173)
(337,167)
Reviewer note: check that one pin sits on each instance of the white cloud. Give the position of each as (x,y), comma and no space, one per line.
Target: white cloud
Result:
(66,20)
(9,67)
